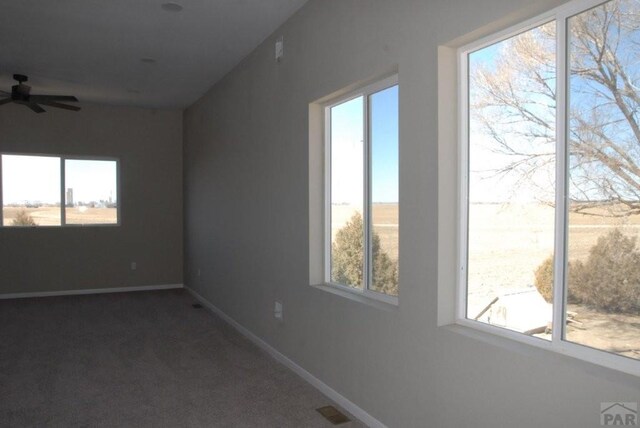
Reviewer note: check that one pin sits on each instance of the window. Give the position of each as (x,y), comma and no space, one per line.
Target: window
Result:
(90,196)
(362,221)
(34,186)
(30,191)
(550,156)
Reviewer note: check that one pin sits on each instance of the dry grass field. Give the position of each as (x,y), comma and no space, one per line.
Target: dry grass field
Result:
(385,222)
(50,216)
(508,242)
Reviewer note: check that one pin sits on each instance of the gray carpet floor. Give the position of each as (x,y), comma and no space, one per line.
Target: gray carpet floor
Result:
(143,359)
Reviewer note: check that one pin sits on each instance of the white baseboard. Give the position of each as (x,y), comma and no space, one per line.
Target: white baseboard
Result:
(344,402)
(89,291)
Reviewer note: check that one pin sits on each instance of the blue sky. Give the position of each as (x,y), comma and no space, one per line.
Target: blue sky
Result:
(485,154)
(384,145)
(347,149)
(589,102)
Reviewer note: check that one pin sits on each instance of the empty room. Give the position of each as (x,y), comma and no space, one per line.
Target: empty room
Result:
(316,213)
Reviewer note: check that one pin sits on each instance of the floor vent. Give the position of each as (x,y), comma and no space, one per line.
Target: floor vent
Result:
(333,415)
(197,306)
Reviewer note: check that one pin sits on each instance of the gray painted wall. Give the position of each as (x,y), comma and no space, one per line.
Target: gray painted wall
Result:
(149,146)
(247,227)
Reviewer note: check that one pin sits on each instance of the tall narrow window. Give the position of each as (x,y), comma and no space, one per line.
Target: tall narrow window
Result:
(384,190)
(362,190)
(511,220)
(347,195)
(603,257)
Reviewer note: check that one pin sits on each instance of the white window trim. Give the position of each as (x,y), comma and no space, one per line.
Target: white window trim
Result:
(63,196)
(557,343)
(364,92)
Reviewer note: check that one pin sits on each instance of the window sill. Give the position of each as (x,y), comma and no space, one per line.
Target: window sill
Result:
(377,300)
(588,359)
(66,226)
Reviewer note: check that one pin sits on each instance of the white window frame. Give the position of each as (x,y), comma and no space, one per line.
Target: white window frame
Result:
(363,92)
(557,343)
(63,196)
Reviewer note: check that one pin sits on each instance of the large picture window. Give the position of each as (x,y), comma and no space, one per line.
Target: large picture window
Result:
(34,186)
(362,190)
(550,155)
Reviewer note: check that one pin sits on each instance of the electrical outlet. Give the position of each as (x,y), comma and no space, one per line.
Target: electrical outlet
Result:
(277,310)
(134,265)
(279,49)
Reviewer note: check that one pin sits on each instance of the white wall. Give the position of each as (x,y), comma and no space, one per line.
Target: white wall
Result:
(247,227)
(148,144)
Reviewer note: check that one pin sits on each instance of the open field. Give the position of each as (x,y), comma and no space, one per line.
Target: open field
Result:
(385,222)
(507,243)
(50,216)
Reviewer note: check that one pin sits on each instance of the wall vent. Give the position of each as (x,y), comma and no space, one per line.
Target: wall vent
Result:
(333,415)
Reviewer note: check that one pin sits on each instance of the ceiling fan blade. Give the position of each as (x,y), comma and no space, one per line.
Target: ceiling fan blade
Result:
(59,105)
(35,107)
(43,98)
(5,101)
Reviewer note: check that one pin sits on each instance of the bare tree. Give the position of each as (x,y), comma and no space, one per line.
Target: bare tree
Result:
(513,100)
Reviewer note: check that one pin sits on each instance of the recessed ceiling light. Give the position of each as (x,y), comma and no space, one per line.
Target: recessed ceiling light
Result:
(148,60)
(172,7)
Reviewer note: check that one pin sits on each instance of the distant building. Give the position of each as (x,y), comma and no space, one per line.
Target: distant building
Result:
(70,197)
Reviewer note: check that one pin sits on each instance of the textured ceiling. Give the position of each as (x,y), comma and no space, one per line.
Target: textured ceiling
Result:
(94,49)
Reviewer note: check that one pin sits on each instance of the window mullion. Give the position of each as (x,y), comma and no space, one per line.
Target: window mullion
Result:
(327,193)
(1,196)
(63,201)
(368,266)
(560,249)
(348,123)
(463,186)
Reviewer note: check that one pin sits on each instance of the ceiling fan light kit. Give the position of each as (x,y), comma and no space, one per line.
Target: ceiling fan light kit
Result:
(21,94)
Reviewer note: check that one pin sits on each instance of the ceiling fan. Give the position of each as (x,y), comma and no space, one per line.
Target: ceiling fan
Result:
(21,94)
